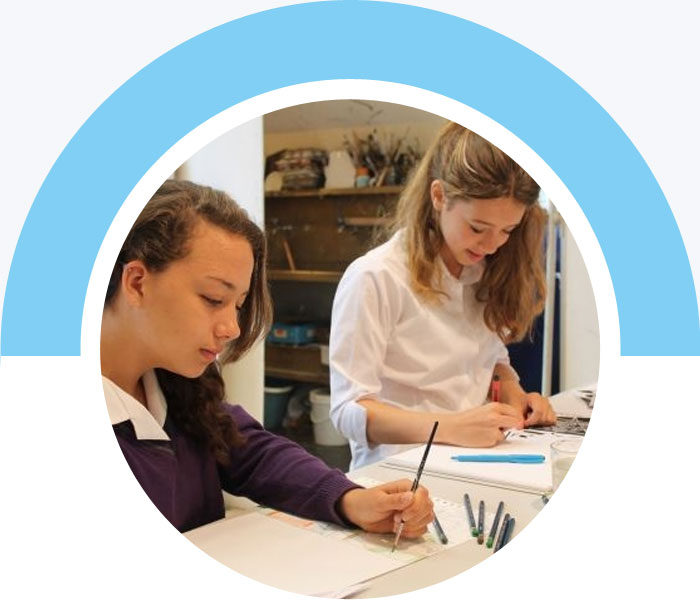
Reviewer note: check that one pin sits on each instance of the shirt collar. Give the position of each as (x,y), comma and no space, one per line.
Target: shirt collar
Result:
(470,274)
(147,422)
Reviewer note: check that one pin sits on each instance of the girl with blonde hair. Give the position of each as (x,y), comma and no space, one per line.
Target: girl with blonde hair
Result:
(420,323)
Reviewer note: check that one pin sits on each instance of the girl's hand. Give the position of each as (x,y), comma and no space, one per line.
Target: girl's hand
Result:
(534,407)
(380,509)
(538,410)
(482,426)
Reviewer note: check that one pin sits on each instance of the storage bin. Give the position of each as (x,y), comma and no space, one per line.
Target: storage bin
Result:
(276,398)
(291,334)
(324,431)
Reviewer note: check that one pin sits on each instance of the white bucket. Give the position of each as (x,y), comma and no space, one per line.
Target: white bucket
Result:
(324,431)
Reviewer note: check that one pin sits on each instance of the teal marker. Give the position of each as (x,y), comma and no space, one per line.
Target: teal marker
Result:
(502,533)
(509,458)
(494,526)
(480,530)
(470,515)
(440,533)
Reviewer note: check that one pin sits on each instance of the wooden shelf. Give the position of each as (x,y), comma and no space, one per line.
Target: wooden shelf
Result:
(299,375)
(302,363)
(305,275)
(322,192)
(367,222)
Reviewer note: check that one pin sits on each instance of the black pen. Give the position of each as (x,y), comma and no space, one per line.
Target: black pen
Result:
(440,533)
(494,526)
(414,487)
(480,535)
(502,533)
(470,515)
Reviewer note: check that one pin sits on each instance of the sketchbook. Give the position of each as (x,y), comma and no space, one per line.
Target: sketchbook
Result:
(535,478)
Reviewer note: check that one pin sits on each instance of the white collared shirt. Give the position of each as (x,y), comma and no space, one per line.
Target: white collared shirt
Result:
(389,344)
(148,422)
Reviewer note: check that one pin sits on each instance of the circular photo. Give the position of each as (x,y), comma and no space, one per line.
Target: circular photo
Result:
(361,340)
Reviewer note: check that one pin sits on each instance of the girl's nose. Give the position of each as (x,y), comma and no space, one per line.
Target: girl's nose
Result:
(492,241)
(228,328)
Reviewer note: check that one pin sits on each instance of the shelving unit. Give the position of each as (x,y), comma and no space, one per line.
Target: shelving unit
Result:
(299,363)
(313,235)
(330,192)
(305,275)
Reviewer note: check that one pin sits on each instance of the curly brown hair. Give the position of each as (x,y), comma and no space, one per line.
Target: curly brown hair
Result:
(161,235)
(469,167)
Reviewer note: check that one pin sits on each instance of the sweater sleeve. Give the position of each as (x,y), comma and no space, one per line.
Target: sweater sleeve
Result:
(276,472)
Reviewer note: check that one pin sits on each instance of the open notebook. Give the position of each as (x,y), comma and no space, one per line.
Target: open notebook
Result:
(536,478)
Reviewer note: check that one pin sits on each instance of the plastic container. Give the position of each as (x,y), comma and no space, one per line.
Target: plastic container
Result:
(276,399)
(291,334)
(324,431)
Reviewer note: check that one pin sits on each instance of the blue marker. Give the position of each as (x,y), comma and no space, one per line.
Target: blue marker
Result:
(509,458)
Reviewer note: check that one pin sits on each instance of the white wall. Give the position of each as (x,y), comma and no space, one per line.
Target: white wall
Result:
(234,162)
(580,336)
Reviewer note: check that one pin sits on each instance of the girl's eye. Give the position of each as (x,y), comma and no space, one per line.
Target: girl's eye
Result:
(475,230)
(212,302)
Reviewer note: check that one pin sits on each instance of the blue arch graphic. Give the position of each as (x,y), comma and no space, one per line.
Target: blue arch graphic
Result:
(476,66)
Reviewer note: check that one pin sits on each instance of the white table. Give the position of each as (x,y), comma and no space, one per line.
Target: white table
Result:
(523,506)
(451,562)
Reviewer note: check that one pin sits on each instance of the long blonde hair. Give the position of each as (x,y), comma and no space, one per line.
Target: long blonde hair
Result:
(469,167)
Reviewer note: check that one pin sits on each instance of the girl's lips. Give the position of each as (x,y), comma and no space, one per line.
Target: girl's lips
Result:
(209,355)
(474,256)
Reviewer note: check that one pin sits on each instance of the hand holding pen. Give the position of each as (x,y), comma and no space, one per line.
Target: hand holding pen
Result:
(535,408)
(416,481)
(375,509)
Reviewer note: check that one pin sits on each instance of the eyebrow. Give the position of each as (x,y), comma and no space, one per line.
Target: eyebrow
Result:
(226,283)
(481,221)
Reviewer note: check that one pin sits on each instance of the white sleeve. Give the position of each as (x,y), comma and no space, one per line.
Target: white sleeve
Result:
(361,323)
(503,358)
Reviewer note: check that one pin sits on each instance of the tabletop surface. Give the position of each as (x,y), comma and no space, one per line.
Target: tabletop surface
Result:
(425,572)
(434,569)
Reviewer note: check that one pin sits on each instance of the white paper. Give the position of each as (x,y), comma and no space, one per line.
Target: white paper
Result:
(526,477)
(321,559)
(284,556)
(571,403)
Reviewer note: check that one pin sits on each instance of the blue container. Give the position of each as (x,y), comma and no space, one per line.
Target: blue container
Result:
(276,399)
(292,334)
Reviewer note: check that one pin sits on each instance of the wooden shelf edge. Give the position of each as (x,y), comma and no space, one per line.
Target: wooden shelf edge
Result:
(321,192)
(307,377)
(304,275)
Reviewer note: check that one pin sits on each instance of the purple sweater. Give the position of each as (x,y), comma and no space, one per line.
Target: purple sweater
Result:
(185,482)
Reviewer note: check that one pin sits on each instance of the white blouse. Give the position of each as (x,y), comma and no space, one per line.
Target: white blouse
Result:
(148,421)
(390,345)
